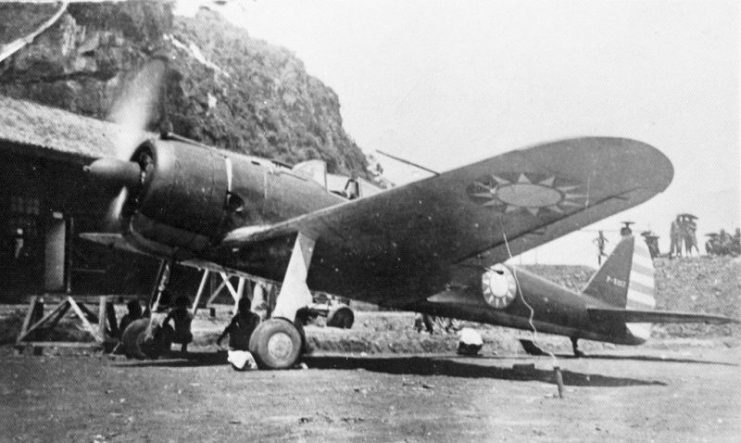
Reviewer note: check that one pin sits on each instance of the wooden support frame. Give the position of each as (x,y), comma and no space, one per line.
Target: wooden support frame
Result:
(236,293)
(36,324)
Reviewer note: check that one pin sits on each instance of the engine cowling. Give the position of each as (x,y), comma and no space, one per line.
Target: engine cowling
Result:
(184,196)
(183,186)
(498,286)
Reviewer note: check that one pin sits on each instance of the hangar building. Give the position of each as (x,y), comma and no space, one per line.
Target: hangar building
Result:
(46,200)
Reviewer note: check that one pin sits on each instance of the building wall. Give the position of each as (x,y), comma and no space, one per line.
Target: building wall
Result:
(44,204)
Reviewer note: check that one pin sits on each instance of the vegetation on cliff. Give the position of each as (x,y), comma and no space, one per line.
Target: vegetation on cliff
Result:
(222,87)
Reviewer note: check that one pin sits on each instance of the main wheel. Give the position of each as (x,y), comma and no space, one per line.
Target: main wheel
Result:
(133,338)
(341,317)
(139,342)
(276,344)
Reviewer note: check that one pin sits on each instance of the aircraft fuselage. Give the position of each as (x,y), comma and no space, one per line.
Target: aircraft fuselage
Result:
(554,308)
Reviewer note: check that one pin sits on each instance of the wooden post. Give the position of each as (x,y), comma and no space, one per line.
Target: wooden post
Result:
(59,316)
(83,317)
(38,312)
(35,324)
(27,319)
(201,286)
(110,311)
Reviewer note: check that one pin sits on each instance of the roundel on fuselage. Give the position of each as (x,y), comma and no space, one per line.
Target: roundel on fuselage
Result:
(498,286)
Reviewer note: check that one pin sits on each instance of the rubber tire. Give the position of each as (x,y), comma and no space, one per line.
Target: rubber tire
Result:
(261,338)
(341,317)
(133,337)
(135,344)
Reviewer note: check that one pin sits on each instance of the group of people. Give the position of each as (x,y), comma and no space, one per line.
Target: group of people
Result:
(179,320)
(723,243)
(683,232)
(683,236)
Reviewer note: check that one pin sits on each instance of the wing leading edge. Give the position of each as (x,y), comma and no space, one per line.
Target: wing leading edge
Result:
(529,196)
(402,243)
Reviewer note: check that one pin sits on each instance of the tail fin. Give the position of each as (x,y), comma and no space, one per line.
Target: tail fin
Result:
(626,280)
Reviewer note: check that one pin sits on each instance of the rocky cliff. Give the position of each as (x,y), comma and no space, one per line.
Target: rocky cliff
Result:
(221,87)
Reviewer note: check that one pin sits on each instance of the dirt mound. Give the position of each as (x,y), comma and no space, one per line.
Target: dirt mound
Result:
(705,284)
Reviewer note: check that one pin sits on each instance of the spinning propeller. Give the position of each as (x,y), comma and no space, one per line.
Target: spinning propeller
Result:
(138,101)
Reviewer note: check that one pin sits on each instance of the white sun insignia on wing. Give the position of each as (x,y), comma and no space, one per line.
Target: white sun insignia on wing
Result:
(528,192)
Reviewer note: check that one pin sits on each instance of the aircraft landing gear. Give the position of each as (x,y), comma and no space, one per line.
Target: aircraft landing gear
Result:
(531,348)
(277,343)
(575,347)
(142,338)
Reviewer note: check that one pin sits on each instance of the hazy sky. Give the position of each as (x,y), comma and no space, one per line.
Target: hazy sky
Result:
(445,83)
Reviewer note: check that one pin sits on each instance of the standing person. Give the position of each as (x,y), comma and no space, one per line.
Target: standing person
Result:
(182,319)
(600,241)
(689,233)
(241,327)
(725,242)
(675,232)
(652,242)
(625,230)
(18,240)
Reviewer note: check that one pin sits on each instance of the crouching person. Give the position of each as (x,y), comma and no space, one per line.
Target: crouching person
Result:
(182,319)
(240,330)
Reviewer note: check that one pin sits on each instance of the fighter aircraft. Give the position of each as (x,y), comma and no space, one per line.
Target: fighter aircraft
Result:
(435,246)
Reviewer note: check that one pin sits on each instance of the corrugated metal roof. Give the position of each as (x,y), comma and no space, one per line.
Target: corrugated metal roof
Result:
(59,131)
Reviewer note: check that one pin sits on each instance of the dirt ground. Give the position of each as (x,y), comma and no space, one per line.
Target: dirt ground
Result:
(383,381)
(671,389)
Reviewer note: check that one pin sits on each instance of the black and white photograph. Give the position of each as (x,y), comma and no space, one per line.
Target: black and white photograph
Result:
(372,221)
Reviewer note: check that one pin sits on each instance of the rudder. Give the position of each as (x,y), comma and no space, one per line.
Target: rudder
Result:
(626,280)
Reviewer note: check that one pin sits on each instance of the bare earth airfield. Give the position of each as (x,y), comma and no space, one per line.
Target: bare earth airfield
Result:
(669,389)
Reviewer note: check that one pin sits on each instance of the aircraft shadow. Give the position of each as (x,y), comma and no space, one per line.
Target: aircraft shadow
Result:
(452,368)
(178,360)
(646,358)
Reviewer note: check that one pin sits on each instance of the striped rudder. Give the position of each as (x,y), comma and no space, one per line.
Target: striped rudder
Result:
(641,288)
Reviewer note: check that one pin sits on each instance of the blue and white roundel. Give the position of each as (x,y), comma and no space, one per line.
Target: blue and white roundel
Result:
(498,286)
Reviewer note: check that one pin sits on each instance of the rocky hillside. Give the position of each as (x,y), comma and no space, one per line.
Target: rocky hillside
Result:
(222,87)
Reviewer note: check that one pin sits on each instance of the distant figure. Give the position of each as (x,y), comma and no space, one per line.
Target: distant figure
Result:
(182,318)
(423,321)
(689,233)
(18,240)
(600,241)
(725,242)
(241,327)
(675,232)
(711,245)
(135,313)
(652,241)
(625,230)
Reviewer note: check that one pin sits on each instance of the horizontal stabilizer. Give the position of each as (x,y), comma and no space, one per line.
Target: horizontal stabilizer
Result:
(636,316)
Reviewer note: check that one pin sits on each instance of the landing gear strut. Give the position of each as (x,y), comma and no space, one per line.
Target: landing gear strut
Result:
(575,347)
(278,342)
(531,348)
(141,339)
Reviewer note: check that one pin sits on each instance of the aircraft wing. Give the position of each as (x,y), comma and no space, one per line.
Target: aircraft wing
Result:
(402,243)
(528,196)
(111,240)
(636,316)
